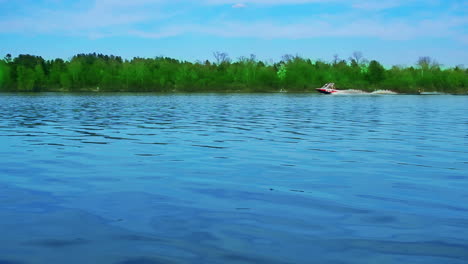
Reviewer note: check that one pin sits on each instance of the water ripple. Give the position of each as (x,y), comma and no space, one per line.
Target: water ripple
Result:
(233,178)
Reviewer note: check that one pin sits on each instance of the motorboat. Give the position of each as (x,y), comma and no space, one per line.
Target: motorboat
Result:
(328,88)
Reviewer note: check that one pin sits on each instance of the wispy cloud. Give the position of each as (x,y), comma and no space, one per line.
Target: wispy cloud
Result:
(239,5)
(103,18)
(360,4)
(268,2)
(377,5)
(389,30)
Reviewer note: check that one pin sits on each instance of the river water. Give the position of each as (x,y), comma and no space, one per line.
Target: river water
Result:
(233,178)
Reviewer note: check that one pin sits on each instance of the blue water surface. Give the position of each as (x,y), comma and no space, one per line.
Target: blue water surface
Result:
(233,178)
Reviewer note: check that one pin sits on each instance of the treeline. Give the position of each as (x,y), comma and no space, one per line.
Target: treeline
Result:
(97,72)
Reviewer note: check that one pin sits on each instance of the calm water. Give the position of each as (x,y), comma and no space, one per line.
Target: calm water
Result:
(233,179)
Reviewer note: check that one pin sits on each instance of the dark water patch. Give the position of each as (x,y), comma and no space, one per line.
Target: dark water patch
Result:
(294,132)
(56,180)
(92,127)
(20,169)
(95,142)
(208,146)
(118,138)
(456,151)
(409,186)
(241,128)
(73,138)
(21,135)
(57,243)
(201,236)
(456,177)
(322,150)
(294,138)
(234,140)
(146,260)
(417,165)
(415,202)
(141,134)
(385,139)
(138,238)
(104,179)
(87,133)
(32,140)
(380,219)
(280,198)
(6,261)
(424,248)
(150,177)
(154,143)
(49,144)
(238,259)
(364,150)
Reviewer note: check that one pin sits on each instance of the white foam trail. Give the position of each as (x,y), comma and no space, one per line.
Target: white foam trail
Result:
(351,91)
(360,92)
(383,92)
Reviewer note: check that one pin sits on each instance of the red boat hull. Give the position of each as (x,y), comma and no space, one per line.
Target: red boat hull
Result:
(326,91)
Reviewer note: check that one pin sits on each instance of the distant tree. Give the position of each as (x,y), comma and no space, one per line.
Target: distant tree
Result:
(3,74)
(336,59)
(75,68)
(221,57)
(287,57)
(427,63)
(8,58)
(376,72)
(39,78)
(253,57)
(282,72)
(26,78)
(357,57)
(86,72)
(424,62)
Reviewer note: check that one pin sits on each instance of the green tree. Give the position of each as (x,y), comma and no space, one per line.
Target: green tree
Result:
(282,73)
(86,72)
(26,79)
(375,73)
(4,75)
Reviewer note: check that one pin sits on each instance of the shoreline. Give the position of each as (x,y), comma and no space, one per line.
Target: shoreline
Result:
(108,73)
(227,92)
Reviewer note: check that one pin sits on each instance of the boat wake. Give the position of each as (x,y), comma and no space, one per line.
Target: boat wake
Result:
(329,88)
(360,92)
(383,92)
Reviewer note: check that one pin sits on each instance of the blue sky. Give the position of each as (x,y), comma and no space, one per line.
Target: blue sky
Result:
(395,32)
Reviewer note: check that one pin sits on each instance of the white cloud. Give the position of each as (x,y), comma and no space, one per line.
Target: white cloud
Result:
(376,5)
(102,16)
(239,5)
(268,2)
(122,18)
(389,30)
(359,4)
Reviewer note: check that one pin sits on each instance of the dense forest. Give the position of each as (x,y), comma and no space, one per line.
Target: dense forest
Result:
(97,72)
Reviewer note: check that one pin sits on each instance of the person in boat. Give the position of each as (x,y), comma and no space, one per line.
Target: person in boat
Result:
(329,86)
